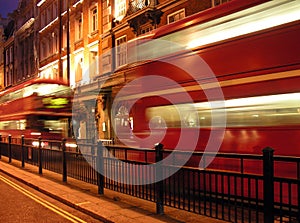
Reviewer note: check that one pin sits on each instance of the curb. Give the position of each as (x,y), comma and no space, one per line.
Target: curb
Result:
(70,204)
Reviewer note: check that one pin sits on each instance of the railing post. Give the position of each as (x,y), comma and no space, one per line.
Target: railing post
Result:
(9,148)
(298,177)
(159,183)
(268,178)
(22,151)
(64,161)
(40,156)
(0,145)
(100,167)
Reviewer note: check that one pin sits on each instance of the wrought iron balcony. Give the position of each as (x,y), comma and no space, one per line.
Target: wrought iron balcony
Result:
(137,5)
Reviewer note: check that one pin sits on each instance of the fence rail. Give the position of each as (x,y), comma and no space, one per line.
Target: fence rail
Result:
(234,187)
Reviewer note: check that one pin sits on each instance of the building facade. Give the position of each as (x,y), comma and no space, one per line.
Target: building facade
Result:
(119,21)
(20,55)
(3,25)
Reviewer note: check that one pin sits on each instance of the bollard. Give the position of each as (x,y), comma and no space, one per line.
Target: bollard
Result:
(159,185)
(268,179)
(100,167)
(40,156)
(64,160)
(9,148)
(22,151)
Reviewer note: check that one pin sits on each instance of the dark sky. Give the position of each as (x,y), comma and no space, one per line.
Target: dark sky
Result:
(7,6)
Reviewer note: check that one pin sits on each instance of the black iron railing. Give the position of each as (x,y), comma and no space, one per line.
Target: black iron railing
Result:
(137,5)
(234,187)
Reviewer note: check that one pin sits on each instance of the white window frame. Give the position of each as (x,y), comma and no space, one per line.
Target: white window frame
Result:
(174,14)
(121,51)
(79,29)
(93,18)
(120,9)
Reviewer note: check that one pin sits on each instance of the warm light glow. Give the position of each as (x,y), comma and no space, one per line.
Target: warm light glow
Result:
(273,101)
(40,3)
(258,18)
(71,145)
(35,133)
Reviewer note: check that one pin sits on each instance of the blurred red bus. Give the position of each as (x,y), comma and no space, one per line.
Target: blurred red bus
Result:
(253,51)
(36,108)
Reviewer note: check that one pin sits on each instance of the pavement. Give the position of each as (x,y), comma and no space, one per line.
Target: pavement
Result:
(109,207)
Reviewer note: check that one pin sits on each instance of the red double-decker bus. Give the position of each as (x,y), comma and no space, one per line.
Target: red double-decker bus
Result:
(36,108)
(249,51)
(224,80)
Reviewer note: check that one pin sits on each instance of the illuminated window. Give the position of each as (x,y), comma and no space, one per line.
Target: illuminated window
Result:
(121,57)
(64,36)
(94,19)
(120,9)
(78,28)
(93,67)
(55,42)
(78,69)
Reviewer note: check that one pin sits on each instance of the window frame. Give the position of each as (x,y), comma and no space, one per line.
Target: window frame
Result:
(121,51)
(178,12)
(93,18)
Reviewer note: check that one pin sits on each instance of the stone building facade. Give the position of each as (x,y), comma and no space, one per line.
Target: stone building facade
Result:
(20,55)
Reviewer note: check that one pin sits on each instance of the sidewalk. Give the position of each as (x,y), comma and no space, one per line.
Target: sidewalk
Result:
(110,207)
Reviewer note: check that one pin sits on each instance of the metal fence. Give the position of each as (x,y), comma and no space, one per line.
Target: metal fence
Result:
(234,187)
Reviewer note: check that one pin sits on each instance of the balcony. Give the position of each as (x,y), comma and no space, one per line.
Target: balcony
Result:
(137,5)
(142,11)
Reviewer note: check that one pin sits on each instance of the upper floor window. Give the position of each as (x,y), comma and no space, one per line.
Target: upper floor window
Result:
(43,19)
(11,53)
(65,5)
(78,28)
(120,9)
(218,2)
(49,14)
(55,7)
(94,19)
(7,57)
(173,17)
(146,29)
(55,42)
(64,36)
(121,54)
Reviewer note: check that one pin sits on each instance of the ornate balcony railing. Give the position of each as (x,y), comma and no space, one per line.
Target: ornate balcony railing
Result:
(136,5)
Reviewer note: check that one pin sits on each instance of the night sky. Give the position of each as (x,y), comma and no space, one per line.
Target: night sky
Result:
(7,6)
